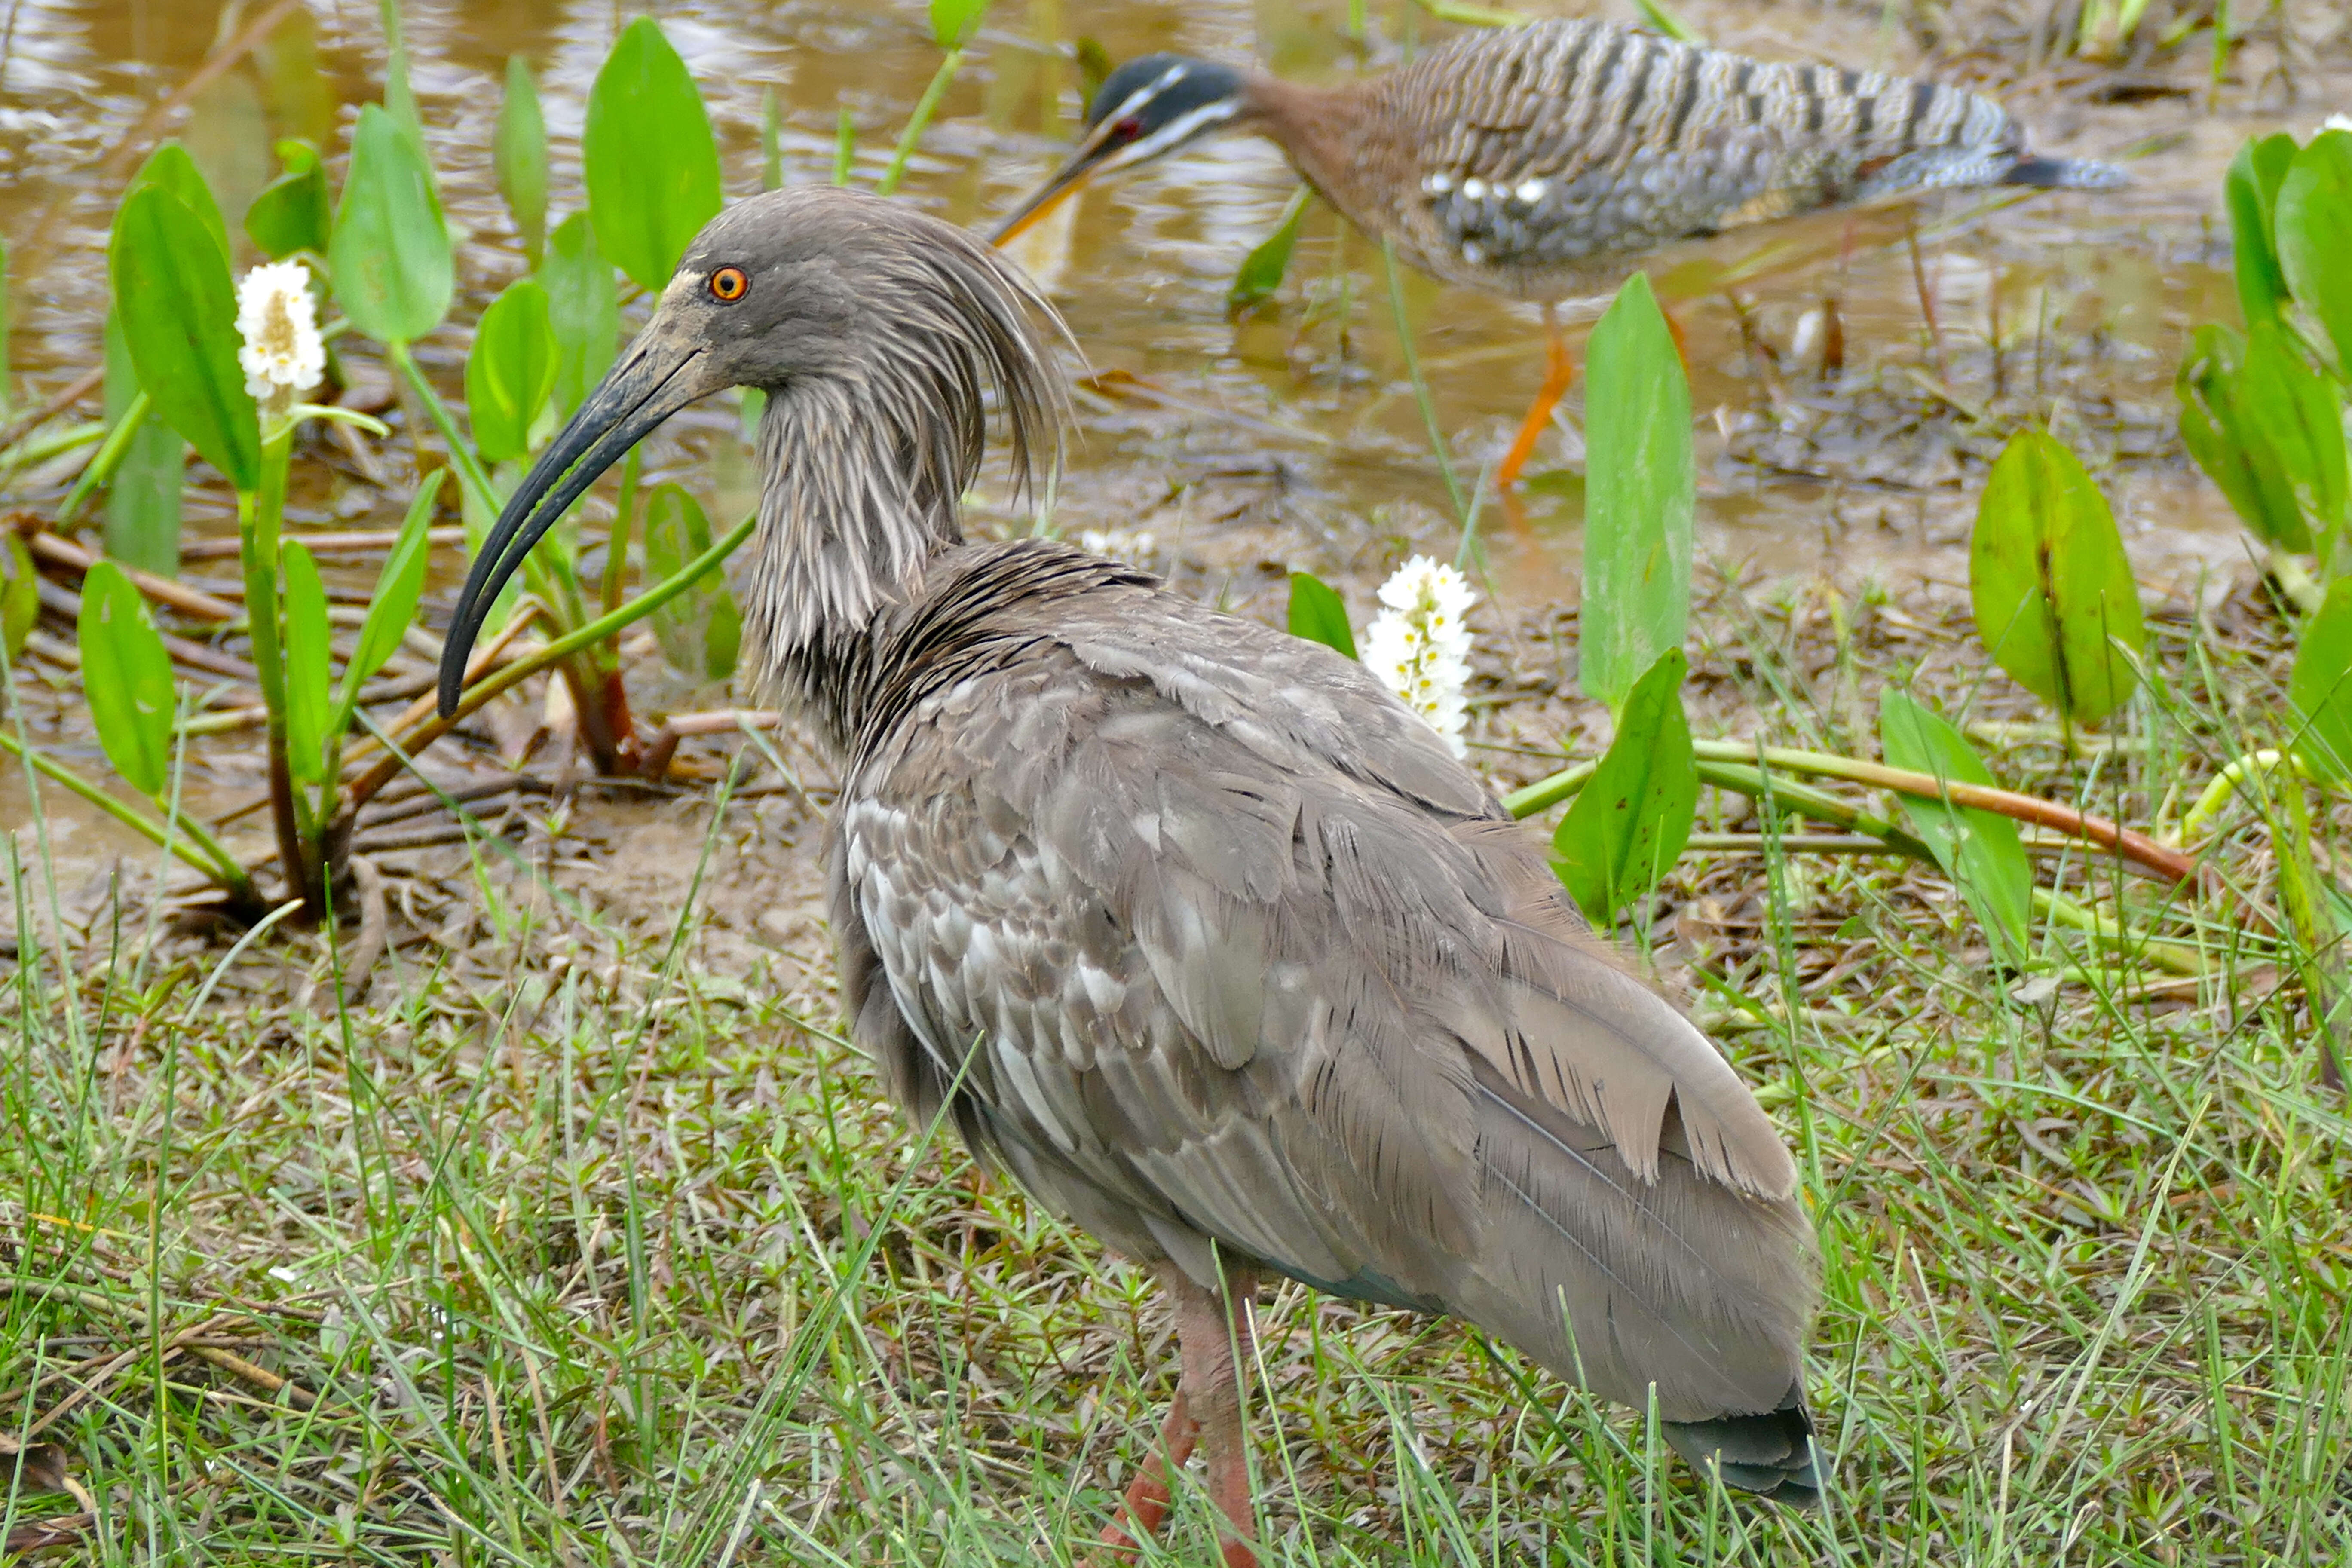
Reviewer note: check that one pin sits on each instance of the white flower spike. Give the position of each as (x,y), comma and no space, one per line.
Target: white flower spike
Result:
(1419,645)
(2336,122)
(283,355)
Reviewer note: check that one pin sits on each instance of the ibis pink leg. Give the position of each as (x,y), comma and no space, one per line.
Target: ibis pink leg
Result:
(1213,1343)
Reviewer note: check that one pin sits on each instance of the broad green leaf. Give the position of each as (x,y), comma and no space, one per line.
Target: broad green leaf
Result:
(393,604)
(1979,850)
(583,307)
(20,593)
(651,164)
(2052,587)
(519,158)
(1319,615)
(399,96)
(171,168)
(1626,826)
(1262,269)
(390,249)
(953,22)
(308,692)
(510,371)
(2250,192)
(293,212)
(142,494)
(2320,687)
(2234,451)
(701,630)
(2297,412)
(1639,489)
(126,676)
(178,311)
(2313,231)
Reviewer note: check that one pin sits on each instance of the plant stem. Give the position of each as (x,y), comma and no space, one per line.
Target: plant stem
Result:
(563,648)
(259,517)
(950,63)
(195,846)
(1544,794)
(108,458)
(1421,387)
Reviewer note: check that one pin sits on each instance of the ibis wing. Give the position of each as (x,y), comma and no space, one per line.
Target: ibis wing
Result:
(1247,956)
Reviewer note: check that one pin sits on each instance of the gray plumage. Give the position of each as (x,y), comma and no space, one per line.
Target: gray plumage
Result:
(1222,944)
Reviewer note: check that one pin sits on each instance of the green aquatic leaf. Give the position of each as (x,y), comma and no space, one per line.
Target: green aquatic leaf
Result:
(2249,191)
(178,311)
(583,307)
(393,606)
(293,213)
(1640,488)
(143,491)
(651,164)
(2225,440)
(519,158)
(390,250)
(953,22)
(1627,825)
(2299,413)
(1262,269)
(1319,615)
(510,371)
(1979,850)
(20,593)
(126,677)
(2051,584)
(308,687)
(171,168)
(2312,230)
(701,630)
(2319,689)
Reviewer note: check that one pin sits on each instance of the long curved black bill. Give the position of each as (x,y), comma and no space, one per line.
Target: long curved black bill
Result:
(653,383)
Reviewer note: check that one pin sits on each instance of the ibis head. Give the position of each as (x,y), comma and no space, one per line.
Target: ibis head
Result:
(873,328)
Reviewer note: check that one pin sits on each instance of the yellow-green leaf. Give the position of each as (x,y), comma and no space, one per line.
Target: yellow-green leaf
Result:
(650,161)
(1640,487)
(1318,615)
(127,678)
(1628,824)
(1979,850)
(2052,587)
(178,311)
(393,270)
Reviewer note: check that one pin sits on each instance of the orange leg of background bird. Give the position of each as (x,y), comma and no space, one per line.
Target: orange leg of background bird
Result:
(1214,1345)
(1560,370)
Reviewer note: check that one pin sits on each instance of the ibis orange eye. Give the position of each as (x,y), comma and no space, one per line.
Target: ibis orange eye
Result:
(728,284)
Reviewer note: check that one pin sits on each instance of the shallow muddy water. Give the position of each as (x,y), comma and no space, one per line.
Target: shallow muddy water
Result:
(1289,437)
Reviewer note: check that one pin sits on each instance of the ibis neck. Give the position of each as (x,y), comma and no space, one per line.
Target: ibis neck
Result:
(851,512)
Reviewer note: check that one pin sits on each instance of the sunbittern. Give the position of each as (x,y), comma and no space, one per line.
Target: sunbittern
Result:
(1186,923)
(1546,163)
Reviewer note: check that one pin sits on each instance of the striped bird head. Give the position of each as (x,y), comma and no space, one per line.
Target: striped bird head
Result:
(1145,109)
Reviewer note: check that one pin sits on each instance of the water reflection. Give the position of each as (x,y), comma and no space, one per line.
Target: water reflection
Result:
(2088,295)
